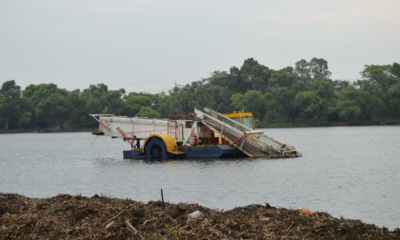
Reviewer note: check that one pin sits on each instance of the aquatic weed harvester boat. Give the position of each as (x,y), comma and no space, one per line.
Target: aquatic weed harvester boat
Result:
(207,134)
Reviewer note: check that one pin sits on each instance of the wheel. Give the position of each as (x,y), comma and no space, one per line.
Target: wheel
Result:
(155,149)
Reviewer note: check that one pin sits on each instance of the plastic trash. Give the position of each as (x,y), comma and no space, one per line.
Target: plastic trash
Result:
(194,214)
(305,211)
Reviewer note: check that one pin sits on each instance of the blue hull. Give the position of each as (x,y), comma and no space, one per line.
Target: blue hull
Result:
(206,151)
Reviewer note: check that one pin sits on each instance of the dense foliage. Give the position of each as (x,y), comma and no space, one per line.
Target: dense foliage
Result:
(300,96)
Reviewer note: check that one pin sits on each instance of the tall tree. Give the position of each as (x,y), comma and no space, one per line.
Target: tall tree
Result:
(380,75)
(14,110)
(252,101)
(53,110)
(392,98)
(316,68)
(254,76)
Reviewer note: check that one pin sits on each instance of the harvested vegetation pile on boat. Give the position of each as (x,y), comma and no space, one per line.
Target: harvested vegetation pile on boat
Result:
(77,217)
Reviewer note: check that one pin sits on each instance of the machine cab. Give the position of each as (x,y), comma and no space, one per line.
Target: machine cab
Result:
(245,118)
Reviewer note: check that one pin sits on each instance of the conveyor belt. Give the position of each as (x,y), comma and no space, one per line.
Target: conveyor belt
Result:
(252,143)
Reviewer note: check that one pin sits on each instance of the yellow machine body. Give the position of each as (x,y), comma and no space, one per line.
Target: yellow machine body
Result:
(245,118)
(170,143)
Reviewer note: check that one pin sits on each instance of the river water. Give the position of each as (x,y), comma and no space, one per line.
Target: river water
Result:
(352,172)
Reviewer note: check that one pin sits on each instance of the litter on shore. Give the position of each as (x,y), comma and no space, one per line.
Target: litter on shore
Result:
(99,217)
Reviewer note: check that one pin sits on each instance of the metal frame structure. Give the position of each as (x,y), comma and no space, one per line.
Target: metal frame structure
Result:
(206,128)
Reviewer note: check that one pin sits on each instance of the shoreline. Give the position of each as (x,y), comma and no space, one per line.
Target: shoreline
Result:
(99,217)
(16,131)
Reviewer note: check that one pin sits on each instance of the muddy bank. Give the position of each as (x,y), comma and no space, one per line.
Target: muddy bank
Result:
(77,217)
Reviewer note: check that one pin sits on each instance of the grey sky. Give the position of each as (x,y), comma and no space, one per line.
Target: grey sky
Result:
(148,45)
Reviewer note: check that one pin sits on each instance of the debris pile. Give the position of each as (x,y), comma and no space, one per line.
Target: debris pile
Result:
(77,217)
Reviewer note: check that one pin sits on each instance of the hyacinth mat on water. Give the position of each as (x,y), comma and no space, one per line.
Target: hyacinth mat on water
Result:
(77,217)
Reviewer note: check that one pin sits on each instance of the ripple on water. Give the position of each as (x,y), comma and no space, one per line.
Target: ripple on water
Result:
(346,171)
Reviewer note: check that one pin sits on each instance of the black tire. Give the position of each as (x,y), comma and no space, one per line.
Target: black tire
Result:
(155,149)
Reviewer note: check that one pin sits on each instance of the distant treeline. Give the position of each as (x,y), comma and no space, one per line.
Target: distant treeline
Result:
(300,96)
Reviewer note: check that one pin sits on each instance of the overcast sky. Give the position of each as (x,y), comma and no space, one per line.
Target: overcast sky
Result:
(149,45)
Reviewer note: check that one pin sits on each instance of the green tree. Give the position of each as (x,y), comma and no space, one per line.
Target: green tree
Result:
(76,110)
(311,106)
(280,105)
(147,112)
(340,85)
(254,76)
(316,68)
(234,83)
(238,101)
(319,68)
(49,105)
(380,75)
(285,77)
(14,110)
(114,102)
(53,111)
(303,94)
(133,104)
(353,105)
(38,93)
(95,98)
(348,111)
(219,78)
(395,70)
(392,98)
(252,101)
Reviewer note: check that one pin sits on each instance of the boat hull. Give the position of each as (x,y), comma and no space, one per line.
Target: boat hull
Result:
(201,151)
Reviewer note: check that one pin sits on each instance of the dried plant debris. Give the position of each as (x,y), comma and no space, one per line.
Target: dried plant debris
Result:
(77,217)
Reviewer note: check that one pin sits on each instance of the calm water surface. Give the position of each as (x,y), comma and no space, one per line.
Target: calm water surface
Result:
(352,172)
